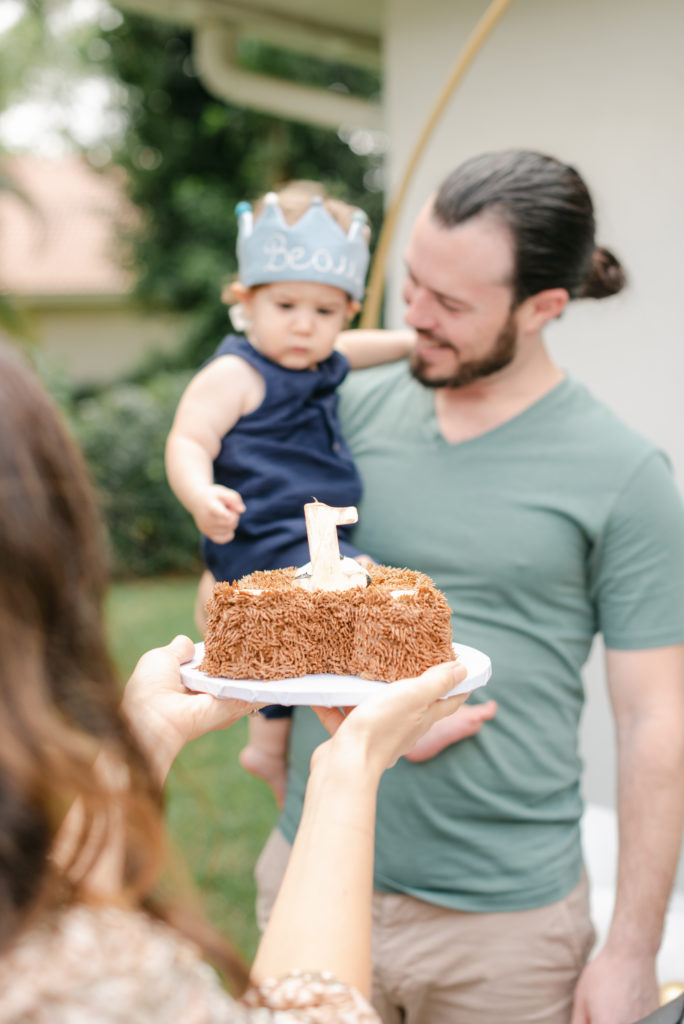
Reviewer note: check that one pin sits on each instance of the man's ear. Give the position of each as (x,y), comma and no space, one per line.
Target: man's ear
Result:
(539,309)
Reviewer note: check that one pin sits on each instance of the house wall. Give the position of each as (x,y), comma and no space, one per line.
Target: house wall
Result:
(98,341)
(597,83)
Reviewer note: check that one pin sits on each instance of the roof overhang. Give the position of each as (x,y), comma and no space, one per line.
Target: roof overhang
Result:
(349,33)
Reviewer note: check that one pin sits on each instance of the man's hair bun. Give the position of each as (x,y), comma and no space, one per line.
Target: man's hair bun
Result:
(606,276)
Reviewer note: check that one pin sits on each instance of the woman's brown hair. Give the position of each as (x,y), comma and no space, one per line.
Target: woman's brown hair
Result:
(58,691)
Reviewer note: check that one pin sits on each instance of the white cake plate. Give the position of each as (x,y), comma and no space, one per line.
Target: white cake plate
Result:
(325,690)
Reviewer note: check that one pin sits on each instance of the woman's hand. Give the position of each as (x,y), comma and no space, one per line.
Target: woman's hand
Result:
(163,714)
(391,722)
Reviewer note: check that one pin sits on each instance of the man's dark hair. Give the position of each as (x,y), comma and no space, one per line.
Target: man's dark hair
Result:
(547,208)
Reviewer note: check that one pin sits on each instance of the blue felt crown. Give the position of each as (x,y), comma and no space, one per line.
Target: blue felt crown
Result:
(315,248)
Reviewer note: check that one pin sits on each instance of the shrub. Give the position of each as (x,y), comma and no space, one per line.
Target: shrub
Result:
(122,431)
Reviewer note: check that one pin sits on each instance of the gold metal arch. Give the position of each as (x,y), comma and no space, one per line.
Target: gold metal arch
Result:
(376,282)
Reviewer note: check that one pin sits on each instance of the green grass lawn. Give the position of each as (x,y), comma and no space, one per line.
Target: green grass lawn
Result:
(218,815)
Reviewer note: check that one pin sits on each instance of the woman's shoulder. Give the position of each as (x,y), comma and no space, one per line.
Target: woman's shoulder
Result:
(111,965)
(117,966)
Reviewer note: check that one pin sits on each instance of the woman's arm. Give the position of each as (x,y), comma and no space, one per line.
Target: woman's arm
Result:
(371,348)
(321,920)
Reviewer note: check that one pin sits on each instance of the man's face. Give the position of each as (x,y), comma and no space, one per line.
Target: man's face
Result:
(459,300)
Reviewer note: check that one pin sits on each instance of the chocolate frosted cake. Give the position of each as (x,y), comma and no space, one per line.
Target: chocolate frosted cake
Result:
(266,626)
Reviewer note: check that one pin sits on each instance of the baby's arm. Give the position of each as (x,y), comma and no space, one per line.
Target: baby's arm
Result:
(370,348)
(211,405)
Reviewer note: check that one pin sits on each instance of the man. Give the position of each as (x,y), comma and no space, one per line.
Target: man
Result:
(544,520)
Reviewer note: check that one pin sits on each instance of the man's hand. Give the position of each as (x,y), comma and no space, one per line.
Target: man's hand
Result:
(466,723)
(217,511)
(614,989)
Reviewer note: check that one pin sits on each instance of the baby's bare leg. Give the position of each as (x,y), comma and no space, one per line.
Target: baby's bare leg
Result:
(266,752)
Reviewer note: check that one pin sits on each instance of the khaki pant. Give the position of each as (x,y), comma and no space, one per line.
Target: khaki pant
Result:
(437,966)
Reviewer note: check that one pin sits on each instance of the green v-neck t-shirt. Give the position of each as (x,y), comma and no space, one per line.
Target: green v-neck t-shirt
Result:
(557,525)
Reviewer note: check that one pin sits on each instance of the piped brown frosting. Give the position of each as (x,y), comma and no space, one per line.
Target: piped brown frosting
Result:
(284,631)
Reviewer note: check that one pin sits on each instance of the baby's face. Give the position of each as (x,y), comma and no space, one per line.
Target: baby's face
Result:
(296,323)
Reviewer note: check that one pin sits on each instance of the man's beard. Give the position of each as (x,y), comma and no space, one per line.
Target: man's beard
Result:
(500,355)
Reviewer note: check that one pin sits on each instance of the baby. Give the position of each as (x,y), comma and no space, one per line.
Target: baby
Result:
(256,433)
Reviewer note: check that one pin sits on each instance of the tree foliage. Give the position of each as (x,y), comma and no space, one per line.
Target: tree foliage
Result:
(25,51)
(12,321)
(190,158)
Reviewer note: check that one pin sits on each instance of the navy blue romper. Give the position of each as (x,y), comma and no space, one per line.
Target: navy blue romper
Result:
(287,452)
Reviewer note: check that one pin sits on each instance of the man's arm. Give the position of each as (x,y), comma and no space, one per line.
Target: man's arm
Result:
(647,695)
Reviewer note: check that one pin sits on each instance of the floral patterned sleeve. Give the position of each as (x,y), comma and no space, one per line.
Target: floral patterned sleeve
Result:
(305,998)
(116,966)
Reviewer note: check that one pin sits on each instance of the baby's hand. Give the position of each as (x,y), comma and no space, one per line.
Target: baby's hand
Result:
(217,513)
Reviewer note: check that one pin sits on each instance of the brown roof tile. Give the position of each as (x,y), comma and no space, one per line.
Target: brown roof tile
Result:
(66,244)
